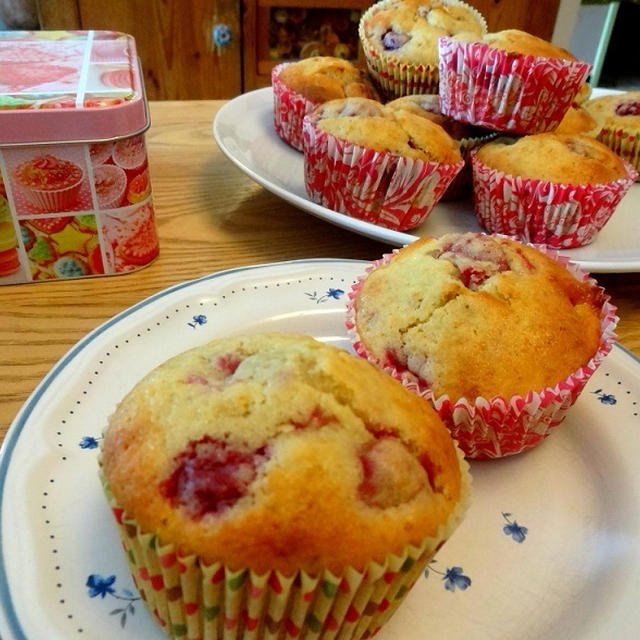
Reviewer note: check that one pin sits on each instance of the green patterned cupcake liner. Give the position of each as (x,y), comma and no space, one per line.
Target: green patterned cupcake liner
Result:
(194,601)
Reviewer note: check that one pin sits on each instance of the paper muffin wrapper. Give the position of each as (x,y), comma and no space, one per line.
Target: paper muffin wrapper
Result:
(53,200)
(396,77)
(375,186)
(496,427)
(538,211)
(194,601)
(504,91)
(289,109)
(624,143)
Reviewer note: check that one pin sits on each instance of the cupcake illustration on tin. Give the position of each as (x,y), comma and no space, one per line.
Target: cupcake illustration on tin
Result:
(130,154)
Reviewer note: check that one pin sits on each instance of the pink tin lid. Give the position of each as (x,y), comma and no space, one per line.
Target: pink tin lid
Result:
(69,86)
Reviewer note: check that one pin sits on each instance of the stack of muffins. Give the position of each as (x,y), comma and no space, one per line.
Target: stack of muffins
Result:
(435,59)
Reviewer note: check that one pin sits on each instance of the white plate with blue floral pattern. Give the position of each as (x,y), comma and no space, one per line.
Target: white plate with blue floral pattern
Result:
(550,547)
(243,129)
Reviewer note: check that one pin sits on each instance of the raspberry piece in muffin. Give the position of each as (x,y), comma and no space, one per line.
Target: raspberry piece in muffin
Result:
(210,477)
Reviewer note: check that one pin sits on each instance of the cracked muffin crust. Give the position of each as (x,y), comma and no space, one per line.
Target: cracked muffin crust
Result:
(383,128)
(474,316)
(555,157)
(409,30)
(277,452)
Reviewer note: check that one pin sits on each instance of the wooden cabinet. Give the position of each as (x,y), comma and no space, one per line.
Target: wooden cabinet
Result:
(194,49)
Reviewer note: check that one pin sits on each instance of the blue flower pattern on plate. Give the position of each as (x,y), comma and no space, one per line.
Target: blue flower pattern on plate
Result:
(513,529)
(100,586)
(88,442)
(605,398)
(330,294)
(198,320)
(453,577)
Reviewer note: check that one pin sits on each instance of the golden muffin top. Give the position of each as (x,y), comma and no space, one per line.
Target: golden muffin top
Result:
(325,78)
(278,452)
(382,128)
(474,315)
(554,157)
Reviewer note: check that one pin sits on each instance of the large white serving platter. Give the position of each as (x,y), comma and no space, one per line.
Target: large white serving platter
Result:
(550,545)
(243,129)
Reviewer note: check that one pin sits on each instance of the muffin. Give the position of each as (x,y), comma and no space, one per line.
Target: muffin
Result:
(508,81)
(467,136)
(498,335)
(556,189)
(298,87)
(578,121)
(283,484)
(400,41)
(619,120)
(382,165)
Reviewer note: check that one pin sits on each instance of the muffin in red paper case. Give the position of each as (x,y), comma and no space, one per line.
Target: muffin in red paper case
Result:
(299,87)
(466,136)
(548,188)
(618,117)
(499,336)
(508,81)
(400,41)
(379,164)
(271,486)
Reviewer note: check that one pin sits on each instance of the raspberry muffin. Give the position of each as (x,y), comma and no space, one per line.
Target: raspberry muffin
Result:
(379,164)
(618,117)
(400,41)
(498,335)
(283,483)
(556,189)
(467,136)
(298,87)
(509,81)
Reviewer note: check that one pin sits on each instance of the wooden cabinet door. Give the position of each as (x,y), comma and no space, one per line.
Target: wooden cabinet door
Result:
(537,18)
(175,39)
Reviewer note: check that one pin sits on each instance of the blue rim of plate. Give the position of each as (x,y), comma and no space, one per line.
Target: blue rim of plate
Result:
(15,430)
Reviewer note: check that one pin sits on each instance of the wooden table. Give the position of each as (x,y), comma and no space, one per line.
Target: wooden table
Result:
(210,217)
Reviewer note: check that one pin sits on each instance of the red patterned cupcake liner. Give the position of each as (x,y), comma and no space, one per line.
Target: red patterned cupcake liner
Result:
(538,211)
(395,77)
(492,88)
(487,428)
(289,109)
(375,186)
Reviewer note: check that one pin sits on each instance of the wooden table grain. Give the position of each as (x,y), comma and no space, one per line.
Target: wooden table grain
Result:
(210,217)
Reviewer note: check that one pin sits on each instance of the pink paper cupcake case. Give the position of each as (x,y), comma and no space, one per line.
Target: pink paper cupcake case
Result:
(537,211)
(289,109)
(375,186)
(495,427)
(492,88)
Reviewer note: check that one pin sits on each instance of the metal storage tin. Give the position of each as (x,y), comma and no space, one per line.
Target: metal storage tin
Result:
(75,193)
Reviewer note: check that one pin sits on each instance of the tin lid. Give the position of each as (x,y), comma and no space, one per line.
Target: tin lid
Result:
(69,86)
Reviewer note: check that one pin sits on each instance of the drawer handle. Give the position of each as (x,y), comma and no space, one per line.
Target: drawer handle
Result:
(222,35)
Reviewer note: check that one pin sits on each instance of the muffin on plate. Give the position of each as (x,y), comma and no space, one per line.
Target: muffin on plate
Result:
(508,81)
(467,136)
(556,189)
(273,484)
(400,41)
(577,120)
(300,86)
(619,119)
(499,336)
(378,164)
